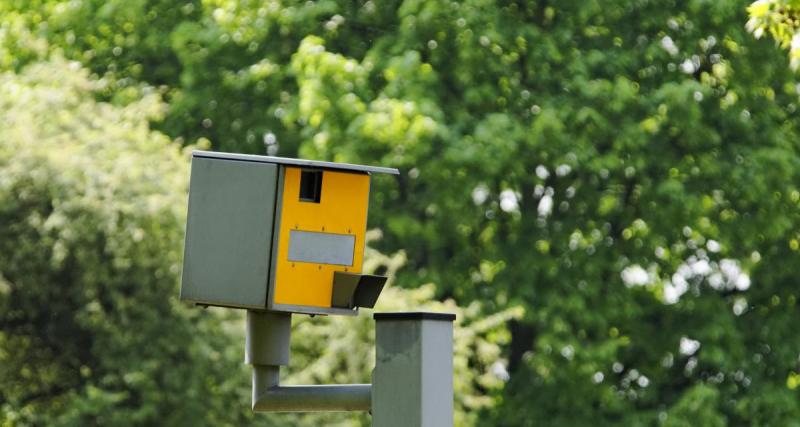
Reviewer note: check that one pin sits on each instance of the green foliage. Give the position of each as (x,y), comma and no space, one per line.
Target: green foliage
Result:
(626,171)
(92,206)
(779,18)
(698,406)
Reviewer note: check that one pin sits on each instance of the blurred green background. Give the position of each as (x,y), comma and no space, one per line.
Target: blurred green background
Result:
(605,192)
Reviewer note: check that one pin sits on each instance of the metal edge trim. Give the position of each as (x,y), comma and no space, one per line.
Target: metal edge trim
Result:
(191,300)
(276,227)
(294,162)
(414,315)
(307,309)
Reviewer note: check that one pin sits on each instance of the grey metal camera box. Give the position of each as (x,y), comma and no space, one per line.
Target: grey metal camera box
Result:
(229,232)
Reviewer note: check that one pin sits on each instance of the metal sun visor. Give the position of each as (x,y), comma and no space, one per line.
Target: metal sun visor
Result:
(352,290)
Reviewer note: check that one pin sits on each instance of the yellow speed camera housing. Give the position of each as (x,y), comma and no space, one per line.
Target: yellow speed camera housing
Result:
(279,234)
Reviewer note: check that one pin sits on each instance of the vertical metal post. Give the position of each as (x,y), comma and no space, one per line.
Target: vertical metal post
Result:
(267,338)
(412,385)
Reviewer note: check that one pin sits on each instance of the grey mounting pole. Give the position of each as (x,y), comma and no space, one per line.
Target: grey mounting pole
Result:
(267,349)
(413,377)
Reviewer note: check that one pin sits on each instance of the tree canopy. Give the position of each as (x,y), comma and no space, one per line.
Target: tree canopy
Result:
(624,171)
(778,18)
(93,211)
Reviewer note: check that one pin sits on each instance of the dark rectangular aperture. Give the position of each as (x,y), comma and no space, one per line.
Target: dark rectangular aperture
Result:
(310,186)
